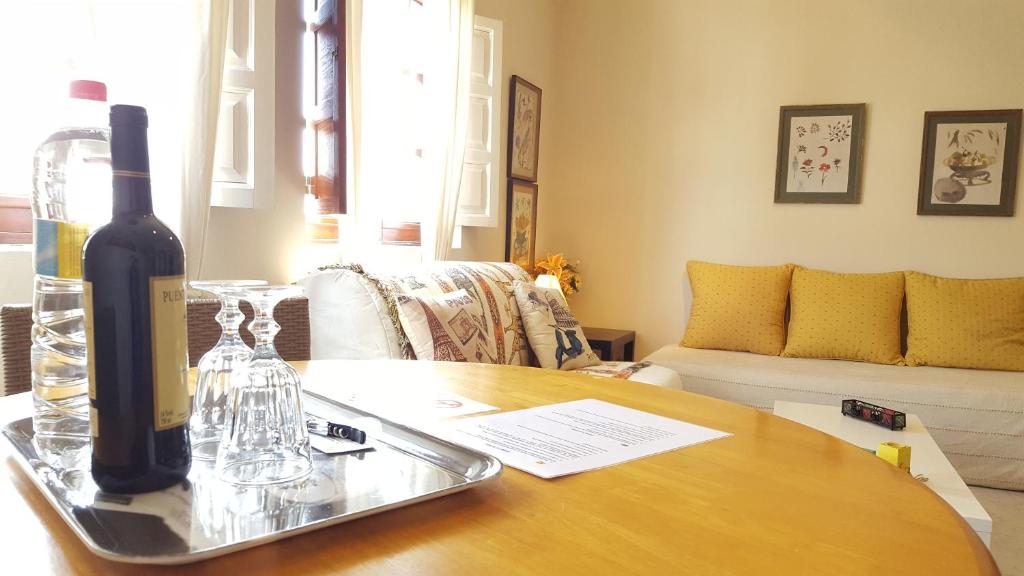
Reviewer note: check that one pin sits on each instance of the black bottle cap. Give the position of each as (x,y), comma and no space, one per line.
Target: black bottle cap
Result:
(129,149)
(125,114)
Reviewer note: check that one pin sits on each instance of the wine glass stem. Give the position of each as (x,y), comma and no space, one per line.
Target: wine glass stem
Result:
(264,328)
(230,318)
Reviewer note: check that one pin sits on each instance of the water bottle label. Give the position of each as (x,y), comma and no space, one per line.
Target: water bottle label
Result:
(170,351)
(59,248)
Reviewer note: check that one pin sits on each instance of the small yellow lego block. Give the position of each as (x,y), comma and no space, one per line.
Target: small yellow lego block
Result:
(895,453)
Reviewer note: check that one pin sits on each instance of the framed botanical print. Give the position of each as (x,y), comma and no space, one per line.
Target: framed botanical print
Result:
(969,163)
(819,156)
(521,224)
(523,130)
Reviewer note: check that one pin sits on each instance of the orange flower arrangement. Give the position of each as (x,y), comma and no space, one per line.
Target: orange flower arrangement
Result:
(568,274)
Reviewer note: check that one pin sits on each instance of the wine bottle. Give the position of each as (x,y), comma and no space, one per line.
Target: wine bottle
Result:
(134,286)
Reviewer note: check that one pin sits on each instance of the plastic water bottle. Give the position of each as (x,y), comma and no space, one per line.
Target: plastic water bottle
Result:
(70,196)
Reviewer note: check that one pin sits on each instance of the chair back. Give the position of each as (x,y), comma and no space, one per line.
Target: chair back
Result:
(292,341)
(15,348)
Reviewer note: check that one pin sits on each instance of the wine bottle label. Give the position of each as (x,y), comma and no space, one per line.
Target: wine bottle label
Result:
(59,248)
(90,356)
(90,342)
(170,351)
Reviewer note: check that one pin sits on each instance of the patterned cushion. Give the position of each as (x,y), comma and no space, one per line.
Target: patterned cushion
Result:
(354,314)
(555,335)
(741,308)
(845,316)
(620,370)
(965,323)
(490,284)
(445,327)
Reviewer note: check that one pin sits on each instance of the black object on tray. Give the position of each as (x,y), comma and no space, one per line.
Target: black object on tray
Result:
(887,417)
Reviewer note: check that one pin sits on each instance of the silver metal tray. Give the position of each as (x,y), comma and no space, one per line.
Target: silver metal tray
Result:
(204,517)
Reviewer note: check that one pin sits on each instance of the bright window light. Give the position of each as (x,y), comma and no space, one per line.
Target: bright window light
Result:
(133,47)
(400,59)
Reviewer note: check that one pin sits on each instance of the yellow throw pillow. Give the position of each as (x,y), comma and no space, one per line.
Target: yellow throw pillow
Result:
(739,308)
(845,316)
(965,323)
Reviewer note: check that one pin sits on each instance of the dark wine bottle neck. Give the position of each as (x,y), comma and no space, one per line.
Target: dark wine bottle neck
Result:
(132,195)
(129,159)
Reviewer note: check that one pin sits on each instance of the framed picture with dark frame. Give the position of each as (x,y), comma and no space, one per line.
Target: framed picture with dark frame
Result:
(819,155)
(521,224)
(523,130)
(969,163)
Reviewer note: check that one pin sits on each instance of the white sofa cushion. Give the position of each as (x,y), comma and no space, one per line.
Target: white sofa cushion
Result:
(975,416)
(348,317)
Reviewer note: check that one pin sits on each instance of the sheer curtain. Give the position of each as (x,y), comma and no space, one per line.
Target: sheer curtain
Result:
(201,98)
(455,18)
(350,237)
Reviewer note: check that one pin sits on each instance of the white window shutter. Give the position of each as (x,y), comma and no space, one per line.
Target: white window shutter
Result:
(478,195)
(244,153)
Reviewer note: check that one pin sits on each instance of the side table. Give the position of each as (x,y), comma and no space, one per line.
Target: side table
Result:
(611,345)
(925,458)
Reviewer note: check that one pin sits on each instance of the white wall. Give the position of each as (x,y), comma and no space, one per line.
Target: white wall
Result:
(666,123)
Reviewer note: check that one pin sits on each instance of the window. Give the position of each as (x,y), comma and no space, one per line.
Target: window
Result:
(15,220)
(48,43)
(323,101)
(135,48)
(397,79)
(401,84)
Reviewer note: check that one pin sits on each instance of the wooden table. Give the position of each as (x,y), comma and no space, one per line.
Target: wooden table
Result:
(776,497)
(611,345)
(927,458)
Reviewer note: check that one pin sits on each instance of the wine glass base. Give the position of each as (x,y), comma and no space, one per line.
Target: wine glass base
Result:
(268,471)
(205,449)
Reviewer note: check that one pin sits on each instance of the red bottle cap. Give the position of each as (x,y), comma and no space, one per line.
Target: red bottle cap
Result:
(88,90)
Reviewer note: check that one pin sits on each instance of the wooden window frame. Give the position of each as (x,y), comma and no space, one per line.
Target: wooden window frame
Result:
(329,129)
(400,233)
(15,220)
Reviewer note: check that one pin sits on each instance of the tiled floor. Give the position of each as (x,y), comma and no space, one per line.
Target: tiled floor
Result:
(1006,508)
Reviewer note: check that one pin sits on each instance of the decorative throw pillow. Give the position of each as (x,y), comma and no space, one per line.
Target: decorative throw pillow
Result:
(490,284)
(445,327)
(555,336)
(740,308)
(965,323)
(845,316)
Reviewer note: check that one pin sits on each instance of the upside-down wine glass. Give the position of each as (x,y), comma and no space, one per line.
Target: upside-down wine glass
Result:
(213,373)
(265,436)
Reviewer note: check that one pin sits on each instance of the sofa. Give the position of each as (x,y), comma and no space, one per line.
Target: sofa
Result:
(760,334)
(975,416)
(353,314)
